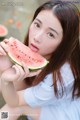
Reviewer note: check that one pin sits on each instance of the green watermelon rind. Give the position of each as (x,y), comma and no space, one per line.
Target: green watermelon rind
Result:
(13,60)
(31,68)
(19,63)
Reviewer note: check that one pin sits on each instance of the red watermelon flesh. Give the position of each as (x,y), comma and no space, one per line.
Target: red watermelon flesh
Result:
(19,53)
(3,31)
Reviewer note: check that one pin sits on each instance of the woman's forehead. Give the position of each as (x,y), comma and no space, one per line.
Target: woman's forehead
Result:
(49,19)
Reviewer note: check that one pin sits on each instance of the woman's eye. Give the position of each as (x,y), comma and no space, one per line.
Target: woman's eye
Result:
(37,25)
(51,35)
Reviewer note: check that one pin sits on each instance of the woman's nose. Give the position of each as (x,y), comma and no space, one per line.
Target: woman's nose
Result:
(38,37)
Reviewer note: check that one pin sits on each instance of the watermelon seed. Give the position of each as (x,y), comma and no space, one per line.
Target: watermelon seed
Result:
(18,56)
(11,45)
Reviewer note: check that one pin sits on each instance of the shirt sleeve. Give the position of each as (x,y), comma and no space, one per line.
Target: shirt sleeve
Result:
(39,94)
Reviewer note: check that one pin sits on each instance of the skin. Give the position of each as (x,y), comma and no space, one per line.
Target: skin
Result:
(40,33)
(43,34)
(5,63)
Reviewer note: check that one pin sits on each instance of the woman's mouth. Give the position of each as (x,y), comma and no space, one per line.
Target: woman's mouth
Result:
(34,48)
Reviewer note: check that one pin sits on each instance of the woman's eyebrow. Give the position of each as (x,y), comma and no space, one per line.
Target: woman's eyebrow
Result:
(38,20)
(53,30)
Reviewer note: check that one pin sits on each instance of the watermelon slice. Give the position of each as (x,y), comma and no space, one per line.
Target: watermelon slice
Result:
(19,53)
(3,32)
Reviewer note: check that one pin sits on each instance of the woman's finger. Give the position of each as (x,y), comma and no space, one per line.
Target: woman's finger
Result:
(26,69)
(11,74)
(15,74)
(5,40)
(28,73)
(22,73)
(2,52)
(34,73)
(4,45)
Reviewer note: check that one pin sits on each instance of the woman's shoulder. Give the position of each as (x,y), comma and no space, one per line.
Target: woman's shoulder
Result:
(66,73)
(66,66)
(48,80)
(66,69)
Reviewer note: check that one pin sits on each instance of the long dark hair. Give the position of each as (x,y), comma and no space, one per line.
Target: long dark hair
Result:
(68,50)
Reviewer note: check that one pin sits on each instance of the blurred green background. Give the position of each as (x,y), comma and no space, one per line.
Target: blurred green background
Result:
(16,15)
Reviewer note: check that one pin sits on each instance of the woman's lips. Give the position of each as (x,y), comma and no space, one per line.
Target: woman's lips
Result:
(34,48)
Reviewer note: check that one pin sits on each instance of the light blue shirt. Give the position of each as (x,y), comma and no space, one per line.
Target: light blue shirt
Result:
(42,95)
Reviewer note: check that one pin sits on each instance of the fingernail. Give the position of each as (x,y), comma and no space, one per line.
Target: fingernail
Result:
(13,66)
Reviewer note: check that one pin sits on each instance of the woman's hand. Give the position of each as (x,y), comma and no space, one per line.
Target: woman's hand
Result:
(5,62)
(17,73)
(2,51)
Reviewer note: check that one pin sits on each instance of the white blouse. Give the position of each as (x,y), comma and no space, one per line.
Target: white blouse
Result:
(42,95)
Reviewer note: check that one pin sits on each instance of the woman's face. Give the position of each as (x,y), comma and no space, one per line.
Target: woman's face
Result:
(45,33)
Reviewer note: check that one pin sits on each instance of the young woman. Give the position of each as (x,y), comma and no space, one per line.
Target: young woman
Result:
(54,92)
